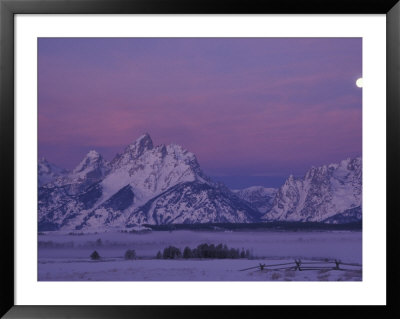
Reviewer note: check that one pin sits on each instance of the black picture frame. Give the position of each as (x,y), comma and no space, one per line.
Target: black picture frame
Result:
(8,8)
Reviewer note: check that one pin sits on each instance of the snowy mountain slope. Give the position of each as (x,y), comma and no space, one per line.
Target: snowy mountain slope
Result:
(63,200)
(324,192)
(164,184)
(261,198)
(92,169)
(48,172)
(184,203)
(97,194)
(194,202)
(348,216)
(150,170)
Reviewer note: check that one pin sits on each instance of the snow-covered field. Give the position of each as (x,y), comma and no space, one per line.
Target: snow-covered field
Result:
(66,257)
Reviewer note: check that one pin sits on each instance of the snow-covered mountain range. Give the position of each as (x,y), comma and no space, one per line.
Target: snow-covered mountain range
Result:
(146,184)
(330,193)
(164,184)
(48,172)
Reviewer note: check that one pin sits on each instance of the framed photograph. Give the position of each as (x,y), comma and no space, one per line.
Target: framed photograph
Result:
(167,154)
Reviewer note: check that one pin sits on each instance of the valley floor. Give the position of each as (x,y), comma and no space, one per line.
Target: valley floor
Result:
(66,258)
(182,270)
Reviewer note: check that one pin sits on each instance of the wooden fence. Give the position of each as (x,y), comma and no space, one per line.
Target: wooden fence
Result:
(299,265)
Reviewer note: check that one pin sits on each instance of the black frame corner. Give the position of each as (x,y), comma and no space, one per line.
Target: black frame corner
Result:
(9,8)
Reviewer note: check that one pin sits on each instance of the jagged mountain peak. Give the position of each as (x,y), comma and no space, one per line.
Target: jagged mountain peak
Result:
(322,193)
(45,164)
(93,154)
(48,172)
(43,160)
(142,155)
(351,163)
(145,181)
(164,184)
(91,161)
(180,153)
(152,169)
(140,145)
(133,151)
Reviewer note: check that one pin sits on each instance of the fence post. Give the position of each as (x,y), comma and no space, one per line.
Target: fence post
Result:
(337,264)
(262,267)
(298,263)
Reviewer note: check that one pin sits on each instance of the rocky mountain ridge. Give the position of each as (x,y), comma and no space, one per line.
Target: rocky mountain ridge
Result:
(145,184)
(164,184)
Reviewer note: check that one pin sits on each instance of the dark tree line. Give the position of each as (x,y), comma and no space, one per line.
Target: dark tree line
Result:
(171,252)
(204,251)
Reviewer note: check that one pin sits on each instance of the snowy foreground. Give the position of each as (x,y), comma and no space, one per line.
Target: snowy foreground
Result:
(66,257)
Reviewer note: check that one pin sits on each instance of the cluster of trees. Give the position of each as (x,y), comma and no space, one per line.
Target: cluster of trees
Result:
(203,251)
(170,252)
(130,254)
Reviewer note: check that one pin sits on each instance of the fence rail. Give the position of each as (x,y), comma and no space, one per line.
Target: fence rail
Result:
(300,265)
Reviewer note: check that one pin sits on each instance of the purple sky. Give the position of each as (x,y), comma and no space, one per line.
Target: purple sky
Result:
(265,106)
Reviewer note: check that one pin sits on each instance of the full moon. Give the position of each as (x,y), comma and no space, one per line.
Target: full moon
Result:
(359,82)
